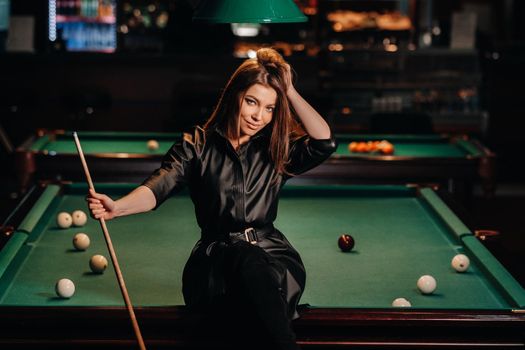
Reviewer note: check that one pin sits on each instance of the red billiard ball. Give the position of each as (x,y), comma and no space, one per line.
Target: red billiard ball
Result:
(346,242)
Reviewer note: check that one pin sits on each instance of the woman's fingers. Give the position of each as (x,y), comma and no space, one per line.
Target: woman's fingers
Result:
(92,200)
(99,213)
(97,196)
(100,205)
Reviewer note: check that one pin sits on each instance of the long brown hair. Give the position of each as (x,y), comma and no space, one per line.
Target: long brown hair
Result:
(268,69)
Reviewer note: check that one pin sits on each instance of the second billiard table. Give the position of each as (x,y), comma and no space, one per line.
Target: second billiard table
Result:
(453,162)
(111,156)
(401,233)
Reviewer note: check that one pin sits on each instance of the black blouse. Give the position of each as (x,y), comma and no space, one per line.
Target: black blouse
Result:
(232,190)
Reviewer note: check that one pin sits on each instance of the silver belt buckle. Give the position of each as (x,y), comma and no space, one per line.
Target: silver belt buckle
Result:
(250,238)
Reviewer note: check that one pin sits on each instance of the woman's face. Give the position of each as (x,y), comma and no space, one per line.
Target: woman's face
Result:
(257,109)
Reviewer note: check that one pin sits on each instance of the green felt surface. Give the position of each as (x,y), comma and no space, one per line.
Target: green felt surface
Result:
(106,142)
(398,238)
(152,249)
(136,143)
(432,146)
(397,241)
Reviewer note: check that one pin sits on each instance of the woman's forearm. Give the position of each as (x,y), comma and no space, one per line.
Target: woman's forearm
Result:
(137,201)
(312,121)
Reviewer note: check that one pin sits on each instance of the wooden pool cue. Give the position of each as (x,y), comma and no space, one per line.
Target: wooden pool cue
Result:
(114,260)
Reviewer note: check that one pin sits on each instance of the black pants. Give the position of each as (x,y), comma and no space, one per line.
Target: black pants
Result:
(248,303)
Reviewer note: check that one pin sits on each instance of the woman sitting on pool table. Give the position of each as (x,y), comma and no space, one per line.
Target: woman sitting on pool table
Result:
(235,167)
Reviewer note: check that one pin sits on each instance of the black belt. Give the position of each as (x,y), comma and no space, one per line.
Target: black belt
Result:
(251,235)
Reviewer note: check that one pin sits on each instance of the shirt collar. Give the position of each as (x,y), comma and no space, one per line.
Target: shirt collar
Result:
(264,132)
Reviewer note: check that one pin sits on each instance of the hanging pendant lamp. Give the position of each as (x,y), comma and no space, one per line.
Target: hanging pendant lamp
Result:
(248,11)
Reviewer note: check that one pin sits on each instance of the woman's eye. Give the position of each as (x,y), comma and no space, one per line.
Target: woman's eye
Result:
(250,102)
(270,109)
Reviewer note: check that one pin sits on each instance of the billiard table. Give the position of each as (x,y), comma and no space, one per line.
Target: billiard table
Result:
(453,162)
(111,156)
(401,232)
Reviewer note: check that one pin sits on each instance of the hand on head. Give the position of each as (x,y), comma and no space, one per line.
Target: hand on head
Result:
(288,77)
(100,206)
(270,57)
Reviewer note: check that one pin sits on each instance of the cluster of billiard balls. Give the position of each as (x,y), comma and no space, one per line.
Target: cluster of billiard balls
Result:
(77,218)
(426,284)
(383,147)
(65,288)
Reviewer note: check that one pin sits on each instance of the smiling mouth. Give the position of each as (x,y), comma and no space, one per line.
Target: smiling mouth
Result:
(252,126)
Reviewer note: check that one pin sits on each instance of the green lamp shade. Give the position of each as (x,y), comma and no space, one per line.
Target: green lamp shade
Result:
(249,11)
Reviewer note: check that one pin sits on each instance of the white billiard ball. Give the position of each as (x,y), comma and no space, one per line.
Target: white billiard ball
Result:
(65,288)
(79,218)
(81,241)
(401,302)
(64,220)
(153,145)
(98,263)
(460,262)
(426,284)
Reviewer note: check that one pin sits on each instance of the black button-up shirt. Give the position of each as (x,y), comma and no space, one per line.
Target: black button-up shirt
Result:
(232,190)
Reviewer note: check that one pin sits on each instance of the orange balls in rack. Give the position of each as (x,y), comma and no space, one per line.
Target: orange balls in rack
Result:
(386,147)
(352,146)
(383,147)
(372,146)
